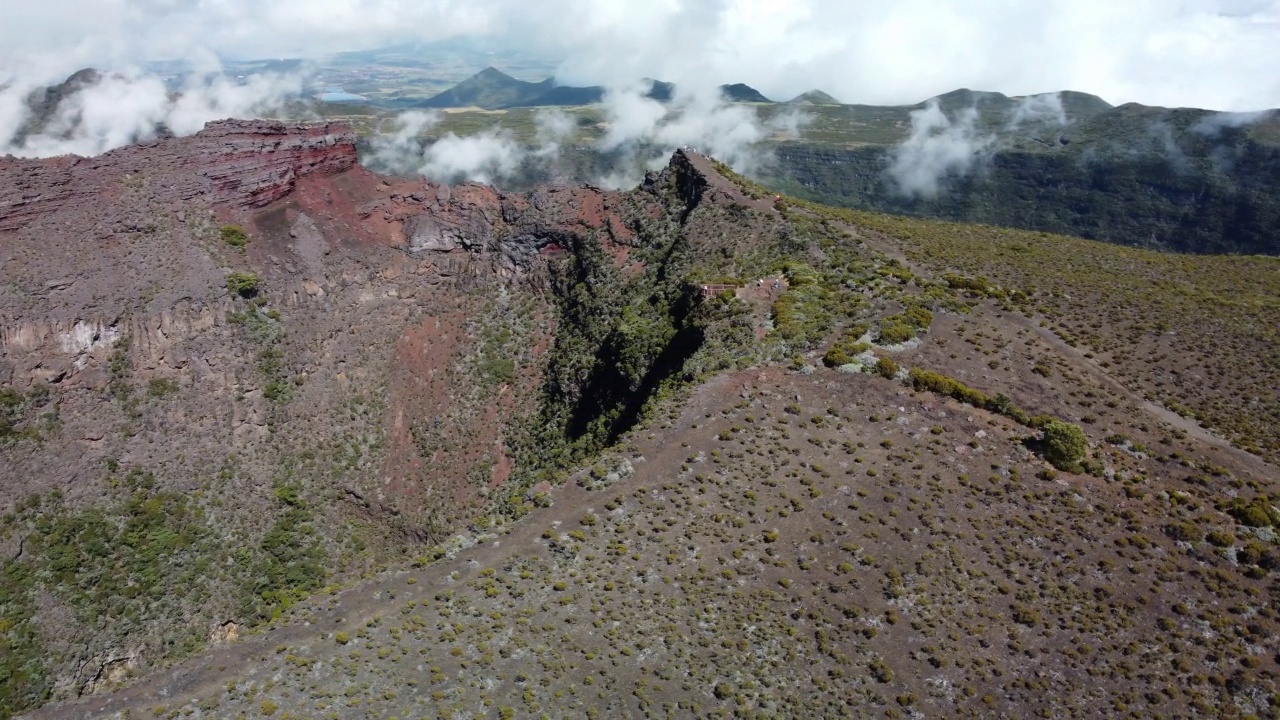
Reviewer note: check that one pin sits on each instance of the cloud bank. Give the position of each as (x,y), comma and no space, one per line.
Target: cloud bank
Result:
(122,108)
(1217,54)
(940,147)
(490,156)
(640,134)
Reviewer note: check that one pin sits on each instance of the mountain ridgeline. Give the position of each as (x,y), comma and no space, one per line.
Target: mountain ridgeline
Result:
(1171,179)
(492,89)
(1179,179)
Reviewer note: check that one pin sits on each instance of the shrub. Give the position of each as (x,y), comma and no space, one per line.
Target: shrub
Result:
(342,638)
(1185,532)
(1221,538)
(918,316)
(887,367)
(1065,445)
(847,348)
(943,385)
(1026,615)
(1252,553)
(234,236)
(279,391)
(1039,422)
(244,284)
(1254,513)
(895,330)
(836,357)
(978,286)
(159,387)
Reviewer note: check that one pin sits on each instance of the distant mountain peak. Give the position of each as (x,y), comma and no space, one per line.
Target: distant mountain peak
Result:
(741,92)
(813,97)
(492,73)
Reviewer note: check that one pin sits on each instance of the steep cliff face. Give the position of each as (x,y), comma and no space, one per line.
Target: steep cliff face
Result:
(290,370)
(246,164)
(356,401)
(1219,198)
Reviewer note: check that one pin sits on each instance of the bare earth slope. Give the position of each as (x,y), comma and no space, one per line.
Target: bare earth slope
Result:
(354,402)
(805,461)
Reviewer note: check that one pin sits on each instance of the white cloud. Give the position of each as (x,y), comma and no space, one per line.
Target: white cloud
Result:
(398,149)
(486,157)
(122,108)
(1045,108)
(640,134)
(489,156)
(1220,54)
(937,148)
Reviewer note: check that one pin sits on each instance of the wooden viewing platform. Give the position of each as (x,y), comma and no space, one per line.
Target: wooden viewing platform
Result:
(710,290)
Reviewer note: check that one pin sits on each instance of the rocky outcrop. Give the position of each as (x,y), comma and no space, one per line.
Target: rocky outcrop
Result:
(253,164)
(238,163)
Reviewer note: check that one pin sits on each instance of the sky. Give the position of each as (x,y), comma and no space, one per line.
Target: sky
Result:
(1216,54)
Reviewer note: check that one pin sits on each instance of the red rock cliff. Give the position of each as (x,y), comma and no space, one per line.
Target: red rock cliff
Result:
(240,163)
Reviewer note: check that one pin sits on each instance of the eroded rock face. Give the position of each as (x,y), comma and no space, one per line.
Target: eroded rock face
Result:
(397,329)
(233,162)
(113,301)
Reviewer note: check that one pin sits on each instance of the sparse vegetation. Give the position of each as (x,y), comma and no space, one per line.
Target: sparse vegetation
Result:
(744,524)
(234,236)
(243,284)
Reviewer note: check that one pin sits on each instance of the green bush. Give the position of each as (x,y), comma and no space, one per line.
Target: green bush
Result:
(943,385)
(244,284)
(848,347)
(918,316)
(1254,513)
(887,367)
(11,406)
(1221,538)
(979,286)
(836,357)
(279,391)
(895,330)
(234,236)
(1065,445)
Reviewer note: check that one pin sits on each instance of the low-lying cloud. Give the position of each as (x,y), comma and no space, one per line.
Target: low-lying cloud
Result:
(640,134)
(490,156)
(1213,124)
(122,108)
(647,131)
(937,148)
(1044,108)
(1219,54)
(940,147)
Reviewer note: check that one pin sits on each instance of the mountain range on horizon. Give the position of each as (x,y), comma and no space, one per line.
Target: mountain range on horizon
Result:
(1067,162)
(492,89)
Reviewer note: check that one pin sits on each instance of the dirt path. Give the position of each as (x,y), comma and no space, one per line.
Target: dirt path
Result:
(704,165)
